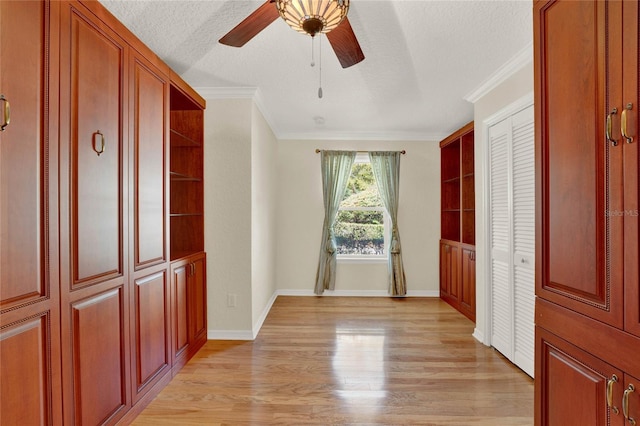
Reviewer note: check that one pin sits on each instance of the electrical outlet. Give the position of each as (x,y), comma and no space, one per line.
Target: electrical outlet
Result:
(231,300)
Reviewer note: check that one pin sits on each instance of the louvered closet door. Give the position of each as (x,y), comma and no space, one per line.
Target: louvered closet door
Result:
(523,171)
(501,289)
(512,216)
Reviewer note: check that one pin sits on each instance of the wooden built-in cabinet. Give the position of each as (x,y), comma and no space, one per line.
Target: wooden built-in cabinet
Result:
(457,244)
(587,191)
(88,303)
(189,306)
(30,378)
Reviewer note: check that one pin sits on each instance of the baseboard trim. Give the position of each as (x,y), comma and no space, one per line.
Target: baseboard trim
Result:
(356,293)
(252,334)
(479,336)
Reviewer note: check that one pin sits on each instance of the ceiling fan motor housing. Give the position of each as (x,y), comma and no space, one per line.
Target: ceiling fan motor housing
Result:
(313,16)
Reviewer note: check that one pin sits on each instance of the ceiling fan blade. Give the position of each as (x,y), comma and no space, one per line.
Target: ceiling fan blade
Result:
(252,25)
(345,44)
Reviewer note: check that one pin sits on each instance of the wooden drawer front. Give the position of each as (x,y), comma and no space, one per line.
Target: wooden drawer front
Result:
(25,371)
(98,357)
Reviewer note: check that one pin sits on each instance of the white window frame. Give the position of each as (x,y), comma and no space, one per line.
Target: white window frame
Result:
(368,258)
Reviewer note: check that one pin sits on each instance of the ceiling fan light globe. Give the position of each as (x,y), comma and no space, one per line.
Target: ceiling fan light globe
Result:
(313,16)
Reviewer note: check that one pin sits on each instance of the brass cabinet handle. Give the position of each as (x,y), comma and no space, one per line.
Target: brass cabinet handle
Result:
(6,113)
(623,123)
(612,381)
(609,127)
(625,404)
(98,149)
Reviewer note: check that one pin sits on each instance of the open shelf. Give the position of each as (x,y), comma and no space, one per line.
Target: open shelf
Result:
(178,139)
(186,198)
(457,186)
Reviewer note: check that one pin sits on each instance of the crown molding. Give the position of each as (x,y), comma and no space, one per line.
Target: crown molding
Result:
(363,136)
(227,92)
(252,93)
(523,58)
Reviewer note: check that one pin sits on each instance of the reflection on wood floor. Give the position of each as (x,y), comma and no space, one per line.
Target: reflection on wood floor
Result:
(339,360)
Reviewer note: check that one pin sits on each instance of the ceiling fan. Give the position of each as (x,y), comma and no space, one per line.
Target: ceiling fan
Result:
(306,16)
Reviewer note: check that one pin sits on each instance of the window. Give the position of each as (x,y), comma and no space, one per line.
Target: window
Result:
(361,228)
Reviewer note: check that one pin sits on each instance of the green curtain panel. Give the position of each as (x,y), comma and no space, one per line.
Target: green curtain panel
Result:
(336,168)
(386,169)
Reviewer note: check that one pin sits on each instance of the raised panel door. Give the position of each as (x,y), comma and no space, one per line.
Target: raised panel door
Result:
(580,179)
(25,365)
(151,337)
(449,273)
(631,400)
(96,136)
(572,385)
(198,299)
(179,283)
(149,93)
(631,214)
(95,287)
(468,284)
(30,381)
(99,361)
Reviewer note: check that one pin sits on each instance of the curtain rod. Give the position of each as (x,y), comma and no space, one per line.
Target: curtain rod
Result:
(318,151)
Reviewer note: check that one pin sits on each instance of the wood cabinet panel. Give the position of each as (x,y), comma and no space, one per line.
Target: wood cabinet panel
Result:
(96,116)
(580,180)
(631,399)
(180,320)
(30,377)
(468,283)
(149,93)
(198,299)
(189,306)
(573,385)
(100,376)
(25,369)
(151,339)
(24,54)
(631,95)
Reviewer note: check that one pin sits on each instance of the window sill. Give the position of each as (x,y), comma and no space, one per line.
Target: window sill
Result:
(362,259)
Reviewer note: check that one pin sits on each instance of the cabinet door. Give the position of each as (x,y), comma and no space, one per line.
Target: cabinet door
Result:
(579,180)
(449,273)
(180,323)
(197,299)
(631,400)
(445,270)
(572,386)
(148,156)
(631,104)
(150,345)
(29,285)
(95,288)
(468,284)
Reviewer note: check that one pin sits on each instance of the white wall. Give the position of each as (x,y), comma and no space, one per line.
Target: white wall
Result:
(301,213)
(264,150)
(228,197)
(509,91)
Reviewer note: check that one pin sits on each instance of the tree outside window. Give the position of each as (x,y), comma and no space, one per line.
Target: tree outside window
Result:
(361,225)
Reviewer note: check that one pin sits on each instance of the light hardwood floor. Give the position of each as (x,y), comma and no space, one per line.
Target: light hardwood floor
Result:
(338,360)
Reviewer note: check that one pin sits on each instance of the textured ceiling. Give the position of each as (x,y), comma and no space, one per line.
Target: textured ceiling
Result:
(422,58)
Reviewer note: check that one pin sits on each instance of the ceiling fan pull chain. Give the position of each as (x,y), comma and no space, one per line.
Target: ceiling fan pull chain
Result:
(313,62)
(320,60)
